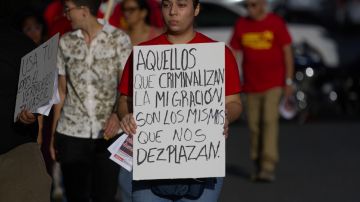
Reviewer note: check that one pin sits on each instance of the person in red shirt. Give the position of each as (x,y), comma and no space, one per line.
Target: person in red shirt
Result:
(55,19)
(155,17)
(137,15)
(179,16)
(267,65)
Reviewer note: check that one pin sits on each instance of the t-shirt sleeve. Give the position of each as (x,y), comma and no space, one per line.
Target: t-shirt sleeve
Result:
(283,33)
(126,82)
(235,41)
(232,77)
(60,64)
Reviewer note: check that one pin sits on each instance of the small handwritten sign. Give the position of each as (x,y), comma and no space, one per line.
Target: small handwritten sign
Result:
(36,78)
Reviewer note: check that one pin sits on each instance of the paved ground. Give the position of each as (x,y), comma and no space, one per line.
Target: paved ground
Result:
(319,162)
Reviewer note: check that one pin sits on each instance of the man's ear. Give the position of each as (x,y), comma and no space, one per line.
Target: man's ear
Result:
(197,10)
(86,11)
(144,13)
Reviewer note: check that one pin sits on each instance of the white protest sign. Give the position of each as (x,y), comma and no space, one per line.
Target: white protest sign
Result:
(36,78)
(179,108)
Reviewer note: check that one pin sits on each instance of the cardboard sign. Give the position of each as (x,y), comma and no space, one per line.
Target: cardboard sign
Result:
(36,78)
(179,108)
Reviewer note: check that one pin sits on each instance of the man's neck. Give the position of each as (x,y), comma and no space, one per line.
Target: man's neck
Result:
(181,38)
(260,16)
(91,29)
(140,27)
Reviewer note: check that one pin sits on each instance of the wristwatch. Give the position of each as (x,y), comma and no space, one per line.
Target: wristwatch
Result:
(289,81)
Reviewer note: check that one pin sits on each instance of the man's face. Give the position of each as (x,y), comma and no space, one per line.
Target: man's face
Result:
(255,8)
(132,12)
(179,15)
(74,14)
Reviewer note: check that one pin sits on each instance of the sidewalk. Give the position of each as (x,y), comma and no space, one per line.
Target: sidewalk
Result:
(318,162)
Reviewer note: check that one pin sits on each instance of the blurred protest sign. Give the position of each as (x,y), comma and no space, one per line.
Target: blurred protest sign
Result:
(37,76)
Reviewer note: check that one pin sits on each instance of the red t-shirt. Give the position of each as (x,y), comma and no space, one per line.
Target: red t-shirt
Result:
(261,43)
(232,80)
(155,16)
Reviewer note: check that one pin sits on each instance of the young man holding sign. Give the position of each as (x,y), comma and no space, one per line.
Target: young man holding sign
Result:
(179,16)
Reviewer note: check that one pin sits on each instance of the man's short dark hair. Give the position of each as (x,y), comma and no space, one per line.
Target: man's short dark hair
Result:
(93,5)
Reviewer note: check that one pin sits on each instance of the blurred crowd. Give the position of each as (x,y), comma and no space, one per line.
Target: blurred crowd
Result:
(51,19)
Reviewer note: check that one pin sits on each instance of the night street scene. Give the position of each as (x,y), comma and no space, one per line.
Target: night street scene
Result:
(289,109)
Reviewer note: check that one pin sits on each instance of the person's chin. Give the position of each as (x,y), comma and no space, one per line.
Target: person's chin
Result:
(175,31)
(74,26)
(37,41)
(174,28)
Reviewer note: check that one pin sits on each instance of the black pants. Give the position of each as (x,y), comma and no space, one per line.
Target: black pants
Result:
(87,170)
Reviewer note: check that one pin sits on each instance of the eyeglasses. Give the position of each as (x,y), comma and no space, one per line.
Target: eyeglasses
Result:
(250,5)
(67,10)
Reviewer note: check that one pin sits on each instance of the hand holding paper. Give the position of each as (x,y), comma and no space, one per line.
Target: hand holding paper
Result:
(128,124)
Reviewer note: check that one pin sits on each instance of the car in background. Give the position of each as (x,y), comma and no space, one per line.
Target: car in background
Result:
(352,11)
(217,18)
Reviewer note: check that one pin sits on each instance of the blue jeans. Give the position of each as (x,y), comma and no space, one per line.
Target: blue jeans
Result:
(125,181)
(144,194)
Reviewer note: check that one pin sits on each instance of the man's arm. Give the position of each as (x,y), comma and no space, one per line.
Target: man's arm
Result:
(40,119)
(233,110)
(124,106)
(112,126)
(289,64)
(57,111)
(125,110)
(116,105)
(57,107)
(233,107)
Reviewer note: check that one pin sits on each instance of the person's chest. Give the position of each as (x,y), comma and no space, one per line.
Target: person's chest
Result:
(257,35)
(97,60)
